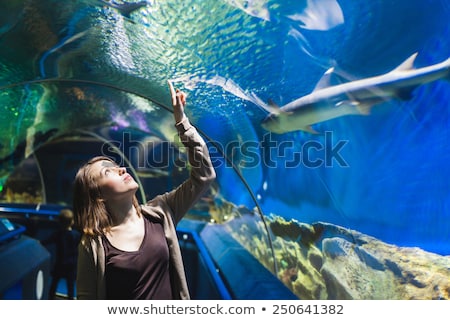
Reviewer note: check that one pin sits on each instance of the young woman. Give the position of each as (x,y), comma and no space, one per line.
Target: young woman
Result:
(128,250)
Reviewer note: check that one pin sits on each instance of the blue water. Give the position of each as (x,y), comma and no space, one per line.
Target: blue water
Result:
(395,184)
(391,179)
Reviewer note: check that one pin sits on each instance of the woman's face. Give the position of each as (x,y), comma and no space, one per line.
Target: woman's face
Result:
(114,181)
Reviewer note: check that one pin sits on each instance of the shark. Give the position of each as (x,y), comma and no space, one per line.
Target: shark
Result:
(355,97)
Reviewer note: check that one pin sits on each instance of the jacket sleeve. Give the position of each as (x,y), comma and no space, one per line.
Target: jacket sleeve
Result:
(201,176)
(86,271)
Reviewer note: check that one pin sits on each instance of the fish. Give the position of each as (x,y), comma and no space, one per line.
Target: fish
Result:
(126,9)
(319,15)
(355,97)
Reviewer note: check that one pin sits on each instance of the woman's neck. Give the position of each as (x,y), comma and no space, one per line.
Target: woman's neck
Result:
(121,211)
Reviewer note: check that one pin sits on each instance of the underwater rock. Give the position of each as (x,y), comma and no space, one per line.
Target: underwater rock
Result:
(367,268)
(349,277)
(315,259)
(326,261)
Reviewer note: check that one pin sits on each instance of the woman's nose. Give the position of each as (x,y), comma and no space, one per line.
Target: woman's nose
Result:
(121,170)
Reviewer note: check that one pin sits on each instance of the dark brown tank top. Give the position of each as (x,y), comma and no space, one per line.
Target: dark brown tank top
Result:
(141,274)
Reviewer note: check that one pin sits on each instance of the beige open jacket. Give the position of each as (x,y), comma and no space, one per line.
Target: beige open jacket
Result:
(169,208)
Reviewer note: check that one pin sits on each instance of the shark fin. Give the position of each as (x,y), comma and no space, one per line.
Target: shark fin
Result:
(273,107)
(348,103)
(356,107)
(325,81)
(309,129)
(272,104)
(408,64)
(364,109)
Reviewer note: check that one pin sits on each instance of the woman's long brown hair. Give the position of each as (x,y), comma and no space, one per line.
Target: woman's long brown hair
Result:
(88,206)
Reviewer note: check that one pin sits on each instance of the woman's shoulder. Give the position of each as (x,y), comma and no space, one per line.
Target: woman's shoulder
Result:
(156,207)
(90,242)
(158,201)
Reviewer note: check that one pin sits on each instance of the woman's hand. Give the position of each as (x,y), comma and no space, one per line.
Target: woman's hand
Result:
(178,103)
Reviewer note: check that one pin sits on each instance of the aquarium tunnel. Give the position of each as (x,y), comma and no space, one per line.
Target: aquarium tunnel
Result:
(327,122)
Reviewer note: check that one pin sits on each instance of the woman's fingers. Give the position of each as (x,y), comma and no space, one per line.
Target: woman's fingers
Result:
(181,96)
(172,93)
(178,97)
